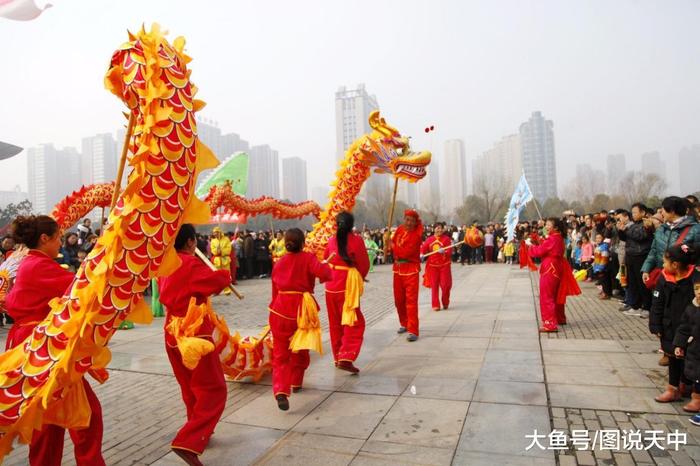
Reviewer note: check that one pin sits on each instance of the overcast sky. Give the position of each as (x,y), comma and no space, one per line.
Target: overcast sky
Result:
(615,76)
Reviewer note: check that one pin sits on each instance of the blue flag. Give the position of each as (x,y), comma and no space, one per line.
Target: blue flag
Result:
(521,196)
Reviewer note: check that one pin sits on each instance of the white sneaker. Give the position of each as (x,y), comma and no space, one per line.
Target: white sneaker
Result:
(644,314)
(633,313)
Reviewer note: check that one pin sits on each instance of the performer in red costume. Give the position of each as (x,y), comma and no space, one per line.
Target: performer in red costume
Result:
(350,264)
(39,280)
(438,269)
(406,248)
(203,388)
(294,315)
(556,278)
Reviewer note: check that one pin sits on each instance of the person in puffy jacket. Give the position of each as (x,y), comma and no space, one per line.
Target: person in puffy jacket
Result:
(687,343)
(674,291)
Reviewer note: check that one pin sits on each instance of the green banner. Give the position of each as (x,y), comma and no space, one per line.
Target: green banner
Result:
(233,169)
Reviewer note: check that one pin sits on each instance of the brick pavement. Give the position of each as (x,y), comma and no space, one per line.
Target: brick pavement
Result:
(591,318)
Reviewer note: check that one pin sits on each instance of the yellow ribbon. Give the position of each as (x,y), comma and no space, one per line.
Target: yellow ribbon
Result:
(185,329)
(308,333)
(354,287)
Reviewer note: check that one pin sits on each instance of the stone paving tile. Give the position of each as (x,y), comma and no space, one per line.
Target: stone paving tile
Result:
(311,450)
(347,415)
(501,428)
(425,422)
(590,318)
(375,453)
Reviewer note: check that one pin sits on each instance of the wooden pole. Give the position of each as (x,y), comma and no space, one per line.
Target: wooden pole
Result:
(534,201)
(393,202)
(122,160)
(206,260)
(442,249)
(102,221)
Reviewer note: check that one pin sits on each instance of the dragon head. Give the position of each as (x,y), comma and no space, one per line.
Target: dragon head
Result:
(389,152)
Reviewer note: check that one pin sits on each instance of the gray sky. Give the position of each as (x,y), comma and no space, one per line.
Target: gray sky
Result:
(615,76)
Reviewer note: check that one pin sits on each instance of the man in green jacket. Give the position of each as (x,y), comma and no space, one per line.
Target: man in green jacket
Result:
(676,223)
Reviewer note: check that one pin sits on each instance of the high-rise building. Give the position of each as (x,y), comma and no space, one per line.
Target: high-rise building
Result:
(99,159)
(652,164)
(501,166)
(539,159)
(408,193)
(429,189)
(352,109)
(12,197)
(294,179)
(688,163)
(453,177)
(52,174)
(263,172)
(617,169)
(319,194)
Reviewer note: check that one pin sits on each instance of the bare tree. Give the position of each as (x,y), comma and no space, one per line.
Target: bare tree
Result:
(585,185)
(492,191)
(379,202)
(637,186)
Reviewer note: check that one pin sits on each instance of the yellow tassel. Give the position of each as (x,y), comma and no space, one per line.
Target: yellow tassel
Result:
(354,287)
(308,334)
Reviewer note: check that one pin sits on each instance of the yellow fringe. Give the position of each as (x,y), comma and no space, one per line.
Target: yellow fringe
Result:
(308,334)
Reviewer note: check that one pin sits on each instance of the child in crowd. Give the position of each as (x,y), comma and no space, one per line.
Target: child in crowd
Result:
(673,293)
(601,256)
(687,343)
(576,255)
(509,251)
(586,254)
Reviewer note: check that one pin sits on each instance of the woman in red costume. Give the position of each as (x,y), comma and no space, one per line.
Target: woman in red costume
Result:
(438,269)
(203,388)
(39,280)
(347,256)
(294,315)
(406,248)
(556,278)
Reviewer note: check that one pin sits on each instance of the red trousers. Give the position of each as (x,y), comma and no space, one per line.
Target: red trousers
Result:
(233,268)
(346,341)
(488,252)
(204,393)
(46,448)
(440,279)
(551,312)
(287,367)
(406,300)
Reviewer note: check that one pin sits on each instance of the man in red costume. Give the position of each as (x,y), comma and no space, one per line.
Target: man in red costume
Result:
(406,248)
(438,268)
(203,388)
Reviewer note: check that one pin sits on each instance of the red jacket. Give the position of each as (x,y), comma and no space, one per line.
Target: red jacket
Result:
(295,272)
(39,280)
(433,243)
(356,251)
(406,249)
(193,279)
(551,251)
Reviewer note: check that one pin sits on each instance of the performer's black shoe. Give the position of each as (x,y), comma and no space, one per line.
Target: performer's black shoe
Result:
(188,457)
(296,389)
(401,330)
(282,402)
(347,366)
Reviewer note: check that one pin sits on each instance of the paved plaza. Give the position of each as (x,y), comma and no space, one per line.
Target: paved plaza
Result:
(473,390)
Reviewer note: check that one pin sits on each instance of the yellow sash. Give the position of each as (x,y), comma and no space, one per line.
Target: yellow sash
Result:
(308,333)
(354,287)
(184,330)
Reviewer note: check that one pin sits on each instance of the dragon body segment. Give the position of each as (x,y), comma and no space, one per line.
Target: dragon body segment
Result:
(40,379)
(383,150)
